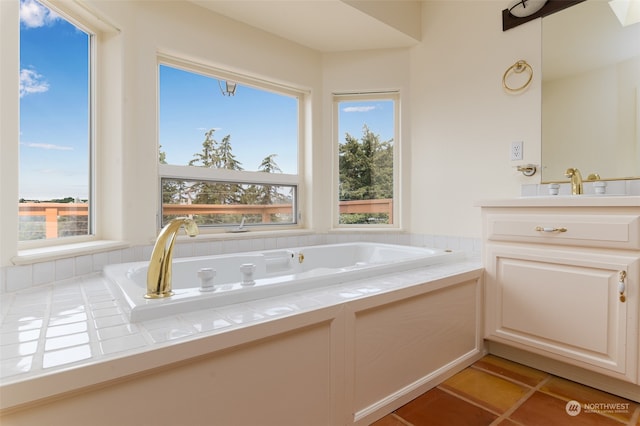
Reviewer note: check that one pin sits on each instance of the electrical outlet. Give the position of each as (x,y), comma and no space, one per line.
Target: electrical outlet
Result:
(517,151)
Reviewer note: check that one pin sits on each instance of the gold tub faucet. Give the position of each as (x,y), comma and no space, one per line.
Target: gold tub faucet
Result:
(576,180)
(159,272)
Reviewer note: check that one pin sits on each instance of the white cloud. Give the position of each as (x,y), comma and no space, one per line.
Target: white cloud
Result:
(34,15)
(359,108)
(49,146)
(32,82)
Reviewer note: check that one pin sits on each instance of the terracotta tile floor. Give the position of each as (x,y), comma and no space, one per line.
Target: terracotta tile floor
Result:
(495,391)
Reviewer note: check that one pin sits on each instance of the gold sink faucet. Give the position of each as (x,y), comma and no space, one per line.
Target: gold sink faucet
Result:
(576,180)
(159,272)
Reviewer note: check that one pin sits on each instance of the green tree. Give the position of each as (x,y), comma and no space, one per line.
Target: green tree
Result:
(218,155)
(269,165)
(266,194)
(225,158)
(366,167)
(269,193)
(365,173)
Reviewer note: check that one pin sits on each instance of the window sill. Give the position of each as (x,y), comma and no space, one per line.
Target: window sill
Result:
(43,254)
(365,230)
(250,234)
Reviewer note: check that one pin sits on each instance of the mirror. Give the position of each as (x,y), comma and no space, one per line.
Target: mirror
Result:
(590,93)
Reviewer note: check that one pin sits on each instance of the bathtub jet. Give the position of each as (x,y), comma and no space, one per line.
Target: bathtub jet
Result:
(215,281)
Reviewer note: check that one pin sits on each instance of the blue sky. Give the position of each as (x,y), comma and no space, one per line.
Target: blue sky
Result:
(376,114)
(260,123)
(54,125)
(53,106)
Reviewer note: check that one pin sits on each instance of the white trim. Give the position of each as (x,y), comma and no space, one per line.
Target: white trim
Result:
(224,175)
(213,71)
(79,17)
(79,11)
(187,172)
(338,97)
(43,254)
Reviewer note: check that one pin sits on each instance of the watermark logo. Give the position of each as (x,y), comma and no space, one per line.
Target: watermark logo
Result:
(606,407)
(573,408)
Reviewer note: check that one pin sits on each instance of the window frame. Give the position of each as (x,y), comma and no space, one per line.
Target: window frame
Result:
(337,98)
(211,175)
(84,21)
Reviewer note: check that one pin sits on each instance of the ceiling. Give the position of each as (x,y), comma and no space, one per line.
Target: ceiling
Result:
(329,25)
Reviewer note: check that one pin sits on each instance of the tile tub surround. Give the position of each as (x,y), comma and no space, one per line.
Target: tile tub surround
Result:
(68,335)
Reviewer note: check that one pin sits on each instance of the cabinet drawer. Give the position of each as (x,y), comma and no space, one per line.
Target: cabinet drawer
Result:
(612,231)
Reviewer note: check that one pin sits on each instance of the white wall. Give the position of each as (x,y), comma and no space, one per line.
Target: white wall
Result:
(462,120)
(375,70)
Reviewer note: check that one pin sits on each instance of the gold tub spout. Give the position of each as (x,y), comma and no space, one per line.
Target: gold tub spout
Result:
(159,272)
(576,180)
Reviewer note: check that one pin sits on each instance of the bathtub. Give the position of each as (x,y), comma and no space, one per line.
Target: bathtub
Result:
(214,281)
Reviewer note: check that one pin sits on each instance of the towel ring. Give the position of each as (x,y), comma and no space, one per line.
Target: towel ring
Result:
(517,68)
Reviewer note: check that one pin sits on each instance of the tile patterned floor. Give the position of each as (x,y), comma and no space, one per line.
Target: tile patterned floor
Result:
(495,391)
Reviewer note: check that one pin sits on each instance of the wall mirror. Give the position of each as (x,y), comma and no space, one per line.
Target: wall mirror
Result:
(590,93)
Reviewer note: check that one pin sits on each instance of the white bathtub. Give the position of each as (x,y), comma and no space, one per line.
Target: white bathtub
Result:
(276,272)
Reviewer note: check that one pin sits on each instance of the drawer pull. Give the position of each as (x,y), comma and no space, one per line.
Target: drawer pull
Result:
(621,285)
(549,229)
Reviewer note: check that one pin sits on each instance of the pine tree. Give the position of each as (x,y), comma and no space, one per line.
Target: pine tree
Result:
(365,172)
(269,193)
(366,167)
(218,155)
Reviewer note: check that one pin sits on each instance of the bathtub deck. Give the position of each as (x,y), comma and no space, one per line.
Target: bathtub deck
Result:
(52,335)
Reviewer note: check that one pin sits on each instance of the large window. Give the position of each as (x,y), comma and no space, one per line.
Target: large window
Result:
(228,147)
(367,143)
(55,125)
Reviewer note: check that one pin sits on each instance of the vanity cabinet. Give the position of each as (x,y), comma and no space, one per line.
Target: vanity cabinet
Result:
(563,282)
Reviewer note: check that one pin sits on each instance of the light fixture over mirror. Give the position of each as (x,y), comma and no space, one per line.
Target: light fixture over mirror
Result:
(229,88)
(523,8)
(519,12)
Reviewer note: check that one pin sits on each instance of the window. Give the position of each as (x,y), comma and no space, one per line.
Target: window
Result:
(227,158)
(55,126)
(366,135)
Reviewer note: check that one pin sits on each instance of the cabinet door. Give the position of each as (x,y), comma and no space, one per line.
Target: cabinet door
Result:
(565,304)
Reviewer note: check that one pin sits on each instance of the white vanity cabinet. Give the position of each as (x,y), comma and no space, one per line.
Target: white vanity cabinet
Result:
(562,281)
